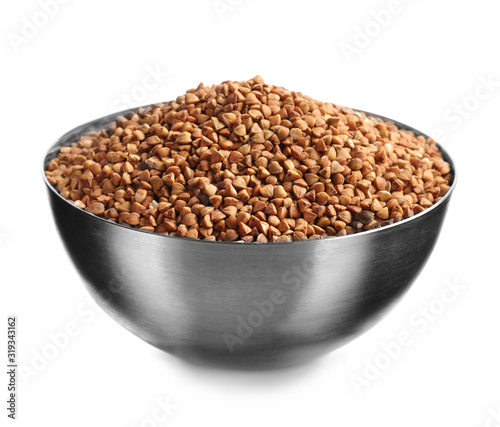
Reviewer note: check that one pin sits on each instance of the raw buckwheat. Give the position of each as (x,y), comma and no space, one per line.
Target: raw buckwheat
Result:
(253,162)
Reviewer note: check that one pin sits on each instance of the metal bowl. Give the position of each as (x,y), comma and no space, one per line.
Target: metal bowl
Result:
(248,305)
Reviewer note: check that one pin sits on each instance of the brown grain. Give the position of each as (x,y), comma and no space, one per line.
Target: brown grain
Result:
(252,162)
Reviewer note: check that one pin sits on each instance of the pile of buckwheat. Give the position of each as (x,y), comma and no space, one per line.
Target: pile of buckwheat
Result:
(253,162)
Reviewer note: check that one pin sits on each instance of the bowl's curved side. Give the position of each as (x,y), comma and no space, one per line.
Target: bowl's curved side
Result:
(245,304)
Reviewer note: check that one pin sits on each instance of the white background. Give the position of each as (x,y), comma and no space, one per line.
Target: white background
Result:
(421,67)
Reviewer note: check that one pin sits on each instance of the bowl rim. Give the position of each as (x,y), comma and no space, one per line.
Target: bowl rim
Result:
(53,150)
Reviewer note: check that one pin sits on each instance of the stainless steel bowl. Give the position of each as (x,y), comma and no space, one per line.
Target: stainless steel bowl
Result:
(239,304)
